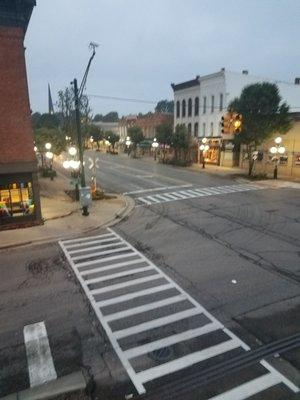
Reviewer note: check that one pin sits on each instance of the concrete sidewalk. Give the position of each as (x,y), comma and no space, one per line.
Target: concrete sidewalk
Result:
(63,218)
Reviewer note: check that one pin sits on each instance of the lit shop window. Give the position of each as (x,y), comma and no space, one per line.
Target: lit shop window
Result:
(16,200)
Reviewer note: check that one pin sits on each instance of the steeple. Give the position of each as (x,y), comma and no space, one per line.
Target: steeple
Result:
(50,102)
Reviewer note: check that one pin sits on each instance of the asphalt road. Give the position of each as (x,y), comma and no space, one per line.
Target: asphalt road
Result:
(232,251)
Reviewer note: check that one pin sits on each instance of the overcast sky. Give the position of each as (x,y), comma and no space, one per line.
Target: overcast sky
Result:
(147,44)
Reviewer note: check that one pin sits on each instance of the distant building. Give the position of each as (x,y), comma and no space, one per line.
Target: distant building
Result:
(108,126)
(201,102)
(148,124)
(19,193)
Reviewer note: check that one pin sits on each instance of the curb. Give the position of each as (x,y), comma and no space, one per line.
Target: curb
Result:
(117,217)
(75,382)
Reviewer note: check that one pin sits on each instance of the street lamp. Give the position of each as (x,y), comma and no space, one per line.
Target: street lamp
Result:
(72,151)
(277,149)
(128,144)
(48,146)
(203,148)
(155,145)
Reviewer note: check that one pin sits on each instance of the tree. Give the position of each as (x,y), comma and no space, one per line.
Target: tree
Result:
(98,118)
(165,106)
(111,117)
(263,115)
(96,133)
(53,135)
(164,136)
(112,137)
(136,135)
(181,141)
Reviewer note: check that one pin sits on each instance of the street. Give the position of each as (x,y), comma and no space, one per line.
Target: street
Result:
(205,268)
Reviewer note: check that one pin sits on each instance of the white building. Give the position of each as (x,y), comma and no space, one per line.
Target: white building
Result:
(201,102)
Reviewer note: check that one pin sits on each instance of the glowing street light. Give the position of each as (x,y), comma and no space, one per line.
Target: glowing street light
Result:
(128,141)
(204,147)
(155,145)
(35,149)
(49,155)
(277,149)
(72,151)
(48,146)
(278,140)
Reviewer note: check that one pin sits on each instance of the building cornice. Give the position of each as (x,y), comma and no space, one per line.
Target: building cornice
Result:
(185,85)
(16,13)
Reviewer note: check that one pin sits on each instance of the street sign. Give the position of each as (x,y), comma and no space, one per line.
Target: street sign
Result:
(94,163)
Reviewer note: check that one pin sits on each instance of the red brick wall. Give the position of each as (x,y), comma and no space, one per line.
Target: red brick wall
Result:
(16,137)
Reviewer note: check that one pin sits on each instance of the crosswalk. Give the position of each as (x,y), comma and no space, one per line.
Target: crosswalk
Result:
(168,196)
(155,327)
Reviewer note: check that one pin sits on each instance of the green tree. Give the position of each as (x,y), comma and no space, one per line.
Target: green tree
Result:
(165,106)
(136,135)
(111,117)
(181,142)
(96,133)
(53,135)
(98,118)
(164,136)
(112,137)
(263,113)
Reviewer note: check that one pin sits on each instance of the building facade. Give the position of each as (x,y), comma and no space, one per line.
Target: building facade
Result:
(200,104)
(148,124)
(19,192)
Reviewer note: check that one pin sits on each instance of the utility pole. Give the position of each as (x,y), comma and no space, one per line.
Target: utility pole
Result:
(85,211)
(77,96)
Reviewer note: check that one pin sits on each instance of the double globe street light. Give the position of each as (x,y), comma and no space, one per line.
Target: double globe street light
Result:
(276,150)
(204,147)
(155,145)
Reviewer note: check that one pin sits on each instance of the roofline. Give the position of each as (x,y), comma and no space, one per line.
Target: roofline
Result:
(187,84)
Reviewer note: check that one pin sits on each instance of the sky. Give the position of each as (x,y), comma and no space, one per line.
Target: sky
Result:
(145,45)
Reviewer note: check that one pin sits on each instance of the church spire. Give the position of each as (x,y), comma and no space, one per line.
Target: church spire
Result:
(50,102)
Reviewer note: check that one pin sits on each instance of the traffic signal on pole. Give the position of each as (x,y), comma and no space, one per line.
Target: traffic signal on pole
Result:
(226,123)
(237,123)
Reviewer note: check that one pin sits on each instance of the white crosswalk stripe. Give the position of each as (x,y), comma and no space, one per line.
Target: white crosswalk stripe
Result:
(131,297)
(194,193)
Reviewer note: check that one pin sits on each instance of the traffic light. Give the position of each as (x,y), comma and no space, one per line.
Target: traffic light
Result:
(226,123)
(237,123)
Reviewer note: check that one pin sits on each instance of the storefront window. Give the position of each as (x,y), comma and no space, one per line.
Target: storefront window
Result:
(16,198)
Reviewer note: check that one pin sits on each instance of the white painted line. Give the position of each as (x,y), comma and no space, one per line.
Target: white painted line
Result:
(189,195)
(112,266)
(158,189)
(171,340)
(193,192)
(180,196)
(153,199)
(119,275)
(282,378)
(105,260)
(104,246)
(101,253)
(86,238)
(146,307)
(156,323)
(144,200)
(130,296)
(126,284)
(162,197)
(249,389)
(39,359)
(169,195)
(186,361)
(72,246)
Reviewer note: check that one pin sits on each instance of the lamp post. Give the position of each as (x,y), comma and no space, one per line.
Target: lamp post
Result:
(275,150)
(155,145)
(203,148)
(128,144)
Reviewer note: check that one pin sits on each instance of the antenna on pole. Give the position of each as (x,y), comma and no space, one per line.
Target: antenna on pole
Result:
(93,47)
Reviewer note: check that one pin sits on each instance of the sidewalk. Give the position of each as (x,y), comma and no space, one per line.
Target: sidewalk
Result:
(63,217)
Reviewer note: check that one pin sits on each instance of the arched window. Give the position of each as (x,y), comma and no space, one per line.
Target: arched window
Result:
(197,106)
(177,109)
(189,128)
(190,106)
(196,127)
(183,108)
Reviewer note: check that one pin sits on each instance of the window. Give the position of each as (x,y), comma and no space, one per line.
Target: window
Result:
(204,105)
(203,129)
(16,197)
(196,129)
(183,108)
(177,109)
(197,106)
(212,103)
(189,128)
(212,128)
(190,106)
(221,101)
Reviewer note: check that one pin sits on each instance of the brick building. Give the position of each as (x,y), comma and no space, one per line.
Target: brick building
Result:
(147,123)
(19,194)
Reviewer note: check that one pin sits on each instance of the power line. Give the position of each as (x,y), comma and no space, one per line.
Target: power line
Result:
(122,99)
